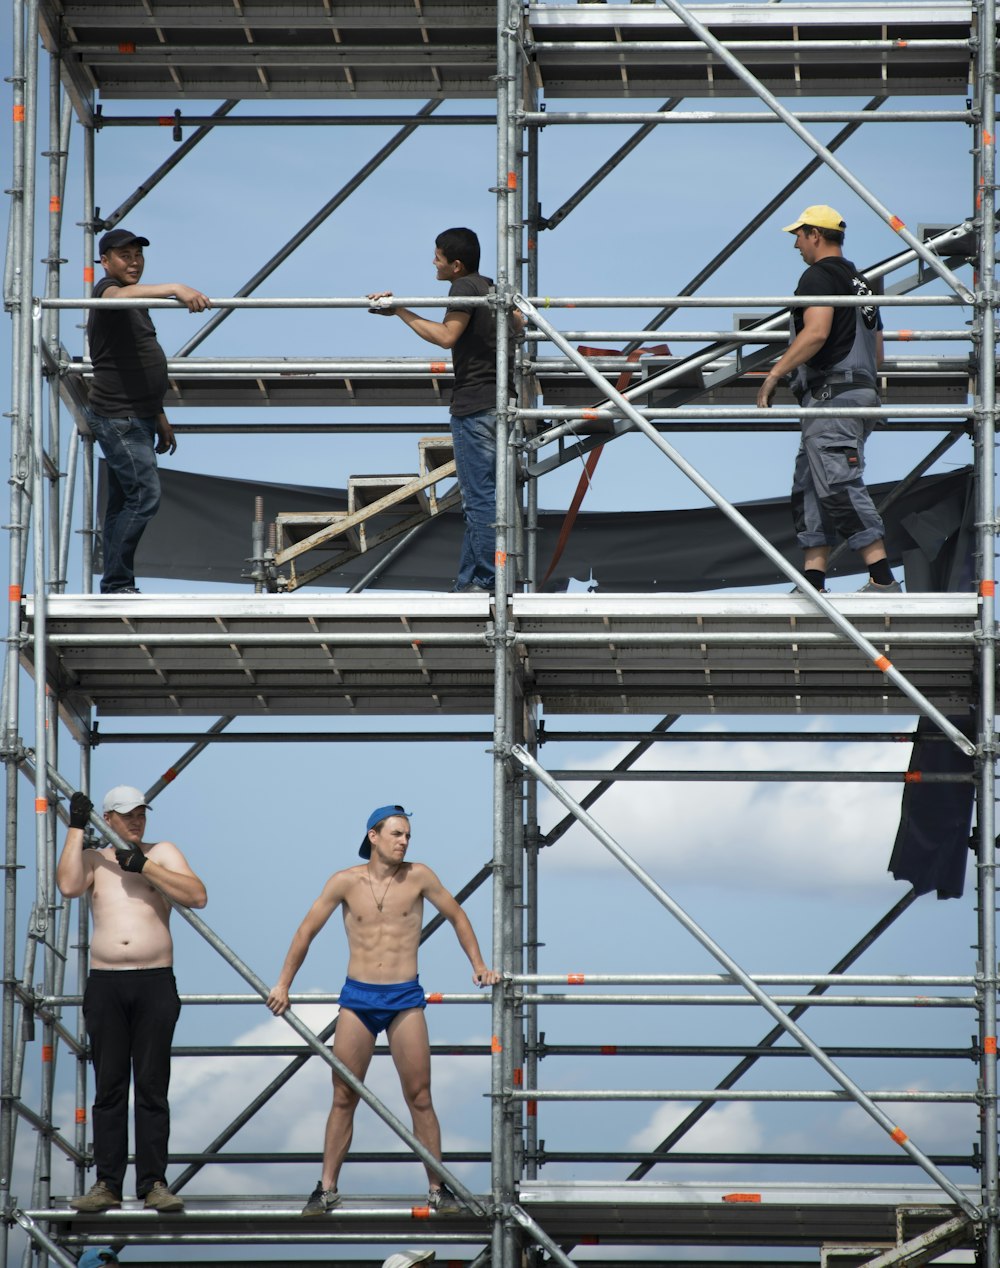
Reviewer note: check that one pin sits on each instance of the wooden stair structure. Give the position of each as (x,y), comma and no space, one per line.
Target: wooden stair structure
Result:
(379,509)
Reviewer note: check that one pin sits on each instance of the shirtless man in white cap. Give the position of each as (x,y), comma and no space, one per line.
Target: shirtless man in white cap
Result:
(130,1003)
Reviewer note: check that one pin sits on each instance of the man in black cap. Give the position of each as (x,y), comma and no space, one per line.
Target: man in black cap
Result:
(125,413)
(383,902)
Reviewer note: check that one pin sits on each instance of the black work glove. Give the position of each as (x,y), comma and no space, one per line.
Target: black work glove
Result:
(130,860)
(80,807)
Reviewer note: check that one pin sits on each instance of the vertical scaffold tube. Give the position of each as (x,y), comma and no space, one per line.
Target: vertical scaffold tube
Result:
(502,1121)
(44,859)
(986,302)
(17,293)
(88,486)
(531,202)
(82,946)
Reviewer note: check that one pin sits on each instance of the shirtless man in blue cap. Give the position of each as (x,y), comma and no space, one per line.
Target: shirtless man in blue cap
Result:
(382,901)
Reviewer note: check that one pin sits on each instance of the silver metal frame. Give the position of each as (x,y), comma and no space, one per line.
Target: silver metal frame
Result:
(513,1216)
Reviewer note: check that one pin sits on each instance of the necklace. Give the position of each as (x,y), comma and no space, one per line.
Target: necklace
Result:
(379,901)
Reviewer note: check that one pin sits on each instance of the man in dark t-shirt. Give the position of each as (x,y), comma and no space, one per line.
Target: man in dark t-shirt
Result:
(832,359)
(125,413)
(470,333)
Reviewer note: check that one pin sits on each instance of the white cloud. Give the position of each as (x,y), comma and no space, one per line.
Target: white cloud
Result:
(782,837)
(732,1127)
(934,1127)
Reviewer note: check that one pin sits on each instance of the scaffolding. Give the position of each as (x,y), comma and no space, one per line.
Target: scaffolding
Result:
(523,656)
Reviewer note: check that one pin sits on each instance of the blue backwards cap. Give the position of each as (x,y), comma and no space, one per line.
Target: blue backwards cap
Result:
(97,1256)
(376,816)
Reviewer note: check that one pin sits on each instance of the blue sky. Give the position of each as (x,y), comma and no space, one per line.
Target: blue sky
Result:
(785,876)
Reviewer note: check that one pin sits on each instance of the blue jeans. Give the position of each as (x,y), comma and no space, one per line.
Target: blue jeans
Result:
(128,445)
(475,440)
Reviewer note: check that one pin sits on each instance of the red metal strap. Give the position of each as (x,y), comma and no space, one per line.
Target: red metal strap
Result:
(624,379)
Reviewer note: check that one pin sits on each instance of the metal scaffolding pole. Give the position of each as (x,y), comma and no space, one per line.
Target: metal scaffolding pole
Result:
(986,304)
(503,1115)
(17,296)
(580,117)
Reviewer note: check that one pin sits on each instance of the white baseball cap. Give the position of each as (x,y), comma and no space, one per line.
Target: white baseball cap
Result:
(404,1258)
(123,799)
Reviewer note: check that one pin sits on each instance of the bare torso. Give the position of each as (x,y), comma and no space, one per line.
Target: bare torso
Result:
(383,944)
(131,917)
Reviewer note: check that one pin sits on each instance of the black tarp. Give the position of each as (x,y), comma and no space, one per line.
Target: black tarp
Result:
(202,533)
(931,849)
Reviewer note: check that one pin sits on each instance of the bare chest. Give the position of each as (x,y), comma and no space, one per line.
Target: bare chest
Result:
(389,901)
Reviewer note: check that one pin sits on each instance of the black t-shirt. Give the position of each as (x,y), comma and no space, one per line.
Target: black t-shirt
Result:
(836,276)
(130,367)
(474,356)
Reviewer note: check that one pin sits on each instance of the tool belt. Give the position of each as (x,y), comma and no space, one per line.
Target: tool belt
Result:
(828,386)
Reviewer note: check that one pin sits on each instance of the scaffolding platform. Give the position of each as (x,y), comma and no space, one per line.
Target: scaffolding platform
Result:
(215,1219)
(690,1213)
(432,654)
(731,1213)
(419,383)
(447,48)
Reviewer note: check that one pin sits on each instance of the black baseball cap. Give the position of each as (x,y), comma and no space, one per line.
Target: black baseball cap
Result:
(119,238)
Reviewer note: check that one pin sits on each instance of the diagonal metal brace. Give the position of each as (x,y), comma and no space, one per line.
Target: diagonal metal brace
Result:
(538,1234)
(40,1238)
(928,1246)
(761,996)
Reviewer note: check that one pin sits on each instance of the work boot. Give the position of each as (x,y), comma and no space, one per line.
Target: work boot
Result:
(159,1198)
(873,587)
(100,1197)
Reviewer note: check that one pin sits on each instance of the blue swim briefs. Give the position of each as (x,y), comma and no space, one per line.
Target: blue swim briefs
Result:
(377,1004)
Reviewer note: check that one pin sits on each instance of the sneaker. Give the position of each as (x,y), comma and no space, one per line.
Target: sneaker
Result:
(159,1198)
(873,587)
(443,1201)
(798,590)
(321,1200)
(101,1197)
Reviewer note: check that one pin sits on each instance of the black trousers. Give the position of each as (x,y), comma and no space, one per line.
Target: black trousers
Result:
(130,1018)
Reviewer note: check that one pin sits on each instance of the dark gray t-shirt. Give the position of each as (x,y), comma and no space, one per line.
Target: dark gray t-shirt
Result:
(474,356)
(130,367)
